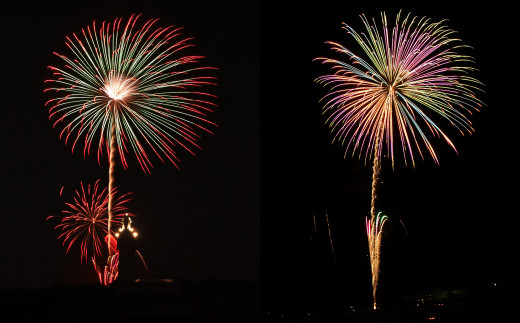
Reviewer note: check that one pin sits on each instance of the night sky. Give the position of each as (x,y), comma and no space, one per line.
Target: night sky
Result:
(197,222)
(242,209)
(458,217)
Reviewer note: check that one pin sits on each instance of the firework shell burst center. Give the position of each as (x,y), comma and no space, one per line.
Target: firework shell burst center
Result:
(120,88)
(136,81)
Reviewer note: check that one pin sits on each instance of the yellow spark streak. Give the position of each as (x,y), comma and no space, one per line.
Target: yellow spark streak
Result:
(374,229)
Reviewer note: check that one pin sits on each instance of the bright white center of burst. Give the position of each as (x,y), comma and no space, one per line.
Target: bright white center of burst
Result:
(119,88)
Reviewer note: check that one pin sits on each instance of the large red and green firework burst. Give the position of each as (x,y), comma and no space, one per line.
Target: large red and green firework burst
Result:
(133,83)
(130,86)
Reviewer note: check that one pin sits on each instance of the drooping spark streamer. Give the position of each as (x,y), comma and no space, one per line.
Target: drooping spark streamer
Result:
(130,86)
(374,228)
(330,236)
(85,220)
(402,223)
(411,72)
(142,260)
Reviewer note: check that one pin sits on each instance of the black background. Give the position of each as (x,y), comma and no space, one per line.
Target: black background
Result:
(196,222)
(458,217)
(243,208)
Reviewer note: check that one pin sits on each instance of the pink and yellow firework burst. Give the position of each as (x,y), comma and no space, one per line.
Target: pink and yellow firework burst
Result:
(406,75)
(409,75)
(85,220)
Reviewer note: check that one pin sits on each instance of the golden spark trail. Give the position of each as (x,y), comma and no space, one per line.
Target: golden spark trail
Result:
(374,238)
(376,170)
(374,229)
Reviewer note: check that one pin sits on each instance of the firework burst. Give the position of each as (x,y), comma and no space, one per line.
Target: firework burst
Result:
(410,73)
(130,86)
(85,220)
